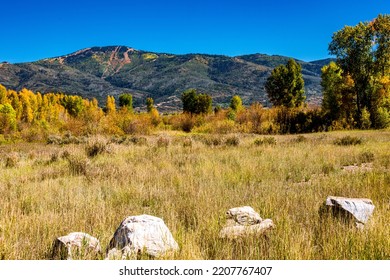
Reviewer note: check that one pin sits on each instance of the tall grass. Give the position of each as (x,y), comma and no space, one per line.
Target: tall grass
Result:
(191,188)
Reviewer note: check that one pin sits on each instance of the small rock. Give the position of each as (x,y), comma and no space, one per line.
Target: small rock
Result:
(244,221)
(360,209)
(66,247)
(137,234)
(244,215)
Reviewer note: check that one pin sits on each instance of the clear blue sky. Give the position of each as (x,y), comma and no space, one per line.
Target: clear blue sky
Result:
(31,30)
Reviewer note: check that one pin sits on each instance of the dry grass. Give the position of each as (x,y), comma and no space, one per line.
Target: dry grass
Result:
(54,190)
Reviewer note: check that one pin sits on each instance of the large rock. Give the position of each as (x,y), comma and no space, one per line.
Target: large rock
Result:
(244,221)
(75,243)
(137,234)
(359,209)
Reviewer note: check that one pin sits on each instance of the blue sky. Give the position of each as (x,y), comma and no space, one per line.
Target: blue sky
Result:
(31,30)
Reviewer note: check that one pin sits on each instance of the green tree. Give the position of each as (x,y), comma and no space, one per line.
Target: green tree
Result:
(196,103)
(236,103)
(203,104)
(363,53)
(73,104)
(332,83)
(285,86)
(126,101)
(7,118)
(149,104)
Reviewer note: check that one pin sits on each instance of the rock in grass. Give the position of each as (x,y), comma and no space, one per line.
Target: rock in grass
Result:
(244,221)
(141,234)
(358,209)
(244,216)
(75,244)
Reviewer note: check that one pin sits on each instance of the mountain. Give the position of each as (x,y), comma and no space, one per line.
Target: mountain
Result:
(101,71)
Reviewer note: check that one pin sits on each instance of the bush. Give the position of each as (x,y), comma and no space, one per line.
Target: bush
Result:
(187,142)
(265,141)
(78,165)
(232,141)
(300,139)
(54,157)
(213,140)
(348,140)
(54,139)
(163,142)
(12,160)
(366,156)
(96,146)
(139,140)
(65,154)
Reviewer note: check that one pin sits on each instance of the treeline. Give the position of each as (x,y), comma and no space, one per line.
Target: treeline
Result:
(34,116)
(356,94)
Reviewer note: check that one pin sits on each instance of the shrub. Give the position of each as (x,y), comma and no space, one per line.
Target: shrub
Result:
(163,142)
(217,127)
(54,157)
(327,168)
(265,141)
(78,165)
(232,141)
(65,154)
(96,146)
(213,140)
(348,140)
(138,140)
(12,160)
(366,156)
(54,139)
(187,142)
(300,139)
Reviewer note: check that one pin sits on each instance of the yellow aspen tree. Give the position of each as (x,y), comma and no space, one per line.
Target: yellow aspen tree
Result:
(27,112)
(110,105)
(3,94)
(13,97)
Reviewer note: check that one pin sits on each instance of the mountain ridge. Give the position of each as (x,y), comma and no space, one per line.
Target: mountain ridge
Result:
(96,72)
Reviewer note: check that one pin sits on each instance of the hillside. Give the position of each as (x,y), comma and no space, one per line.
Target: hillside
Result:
(100,71)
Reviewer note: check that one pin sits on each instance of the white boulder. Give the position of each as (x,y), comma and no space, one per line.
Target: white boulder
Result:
(137,234)
(359,208)
(75,243)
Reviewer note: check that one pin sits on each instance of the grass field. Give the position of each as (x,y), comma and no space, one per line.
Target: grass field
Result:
(190,180)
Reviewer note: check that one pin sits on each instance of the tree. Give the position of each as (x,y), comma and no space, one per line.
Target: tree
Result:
(338,100)
(3,94)
(195,103)
(285,86)
(110,105)
(27,114)
(149,104)
(236,103)
(126,101)
(363,53)
(73,104)
(7,118)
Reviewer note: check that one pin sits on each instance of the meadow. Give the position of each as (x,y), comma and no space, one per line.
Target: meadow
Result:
(190,180)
